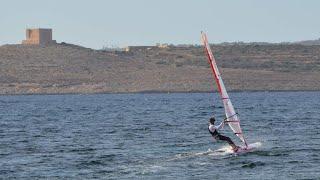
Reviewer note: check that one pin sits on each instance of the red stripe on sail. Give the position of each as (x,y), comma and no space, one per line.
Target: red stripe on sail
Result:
(206,44)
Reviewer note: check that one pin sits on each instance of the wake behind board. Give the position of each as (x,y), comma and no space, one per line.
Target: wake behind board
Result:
(221,152)
(250,148)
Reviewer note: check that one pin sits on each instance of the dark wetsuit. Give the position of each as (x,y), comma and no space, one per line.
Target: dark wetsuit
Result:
(213,131)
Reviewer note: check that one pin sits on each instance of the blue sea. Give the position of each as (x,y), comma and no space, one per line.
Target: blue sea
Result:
(157,136)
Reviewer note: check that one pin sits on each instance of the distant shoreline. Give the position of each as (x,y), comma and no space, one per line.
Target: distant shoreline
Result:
(70,69)
(156,92)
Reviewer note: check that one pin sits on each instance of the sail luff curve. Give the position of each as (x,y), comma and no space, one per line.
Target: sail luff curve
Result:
(231,116)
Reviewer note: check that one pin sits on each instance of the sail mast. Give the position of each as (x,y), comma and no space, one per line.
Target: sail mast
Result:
(231,116)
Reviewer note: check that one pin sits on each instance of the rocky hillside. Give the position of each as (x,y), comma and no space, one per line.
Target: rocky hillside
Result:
(65,68)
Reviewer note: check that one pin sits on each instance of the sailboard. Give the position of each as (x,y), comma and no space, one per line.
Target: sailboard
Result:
(232,118)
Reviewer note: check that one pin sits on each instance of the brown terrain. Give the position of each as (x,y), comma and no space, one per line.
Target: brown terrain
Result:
(65,68)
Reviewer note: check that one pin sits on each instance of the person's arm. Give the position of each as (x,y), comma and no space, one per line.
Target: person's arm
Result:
(220,126)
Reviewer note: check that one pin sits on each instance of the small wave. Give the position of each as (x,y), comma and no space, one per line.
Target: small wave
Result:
(225,150)
(252,164)
(295,162)
(83,150)
(104,160)
(150,169)
(95,162)
(68,110)
(271,153)
(108,157)
(111,131)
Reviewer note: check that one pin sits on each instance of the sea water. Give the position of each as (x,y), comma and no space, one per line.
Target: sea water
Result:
(157,136)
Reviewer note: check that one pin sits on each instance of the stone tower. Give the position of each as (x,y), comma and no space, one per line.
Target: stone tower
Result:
(39,37)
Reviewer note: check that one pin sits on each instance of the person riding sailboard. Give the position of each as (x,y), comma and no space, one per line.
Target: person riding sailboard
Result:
(232,118)
(213,130)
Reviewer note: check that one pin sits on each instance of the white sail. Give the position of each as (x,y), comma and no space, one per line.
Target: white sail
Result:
(231,116)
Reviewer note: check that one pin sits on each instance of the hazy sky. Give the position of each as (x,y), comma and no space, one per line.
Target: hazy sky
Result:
(96,23)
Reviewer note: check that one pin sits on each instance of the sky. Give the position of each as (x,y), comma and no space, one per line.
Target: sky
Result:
(99,23)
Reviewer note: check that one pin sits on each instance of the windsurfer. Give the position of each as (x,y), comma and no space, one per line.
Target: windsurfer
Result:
(216,135)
